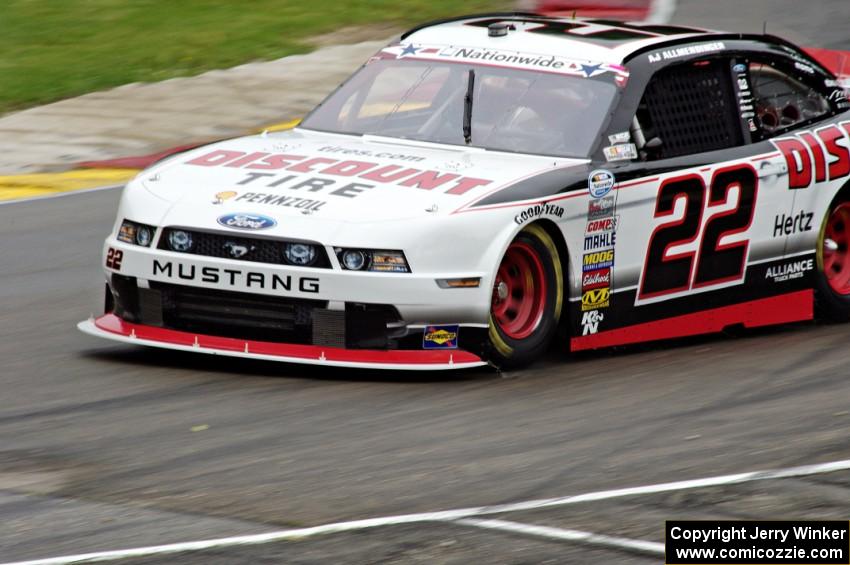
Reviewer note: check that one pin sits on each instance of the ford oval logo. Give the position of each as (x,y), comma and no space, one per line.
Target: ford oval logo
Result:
(247,221)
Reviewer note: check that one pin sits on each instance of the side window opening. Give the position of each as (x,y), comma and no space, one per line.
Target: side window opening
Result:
(783,102)
(686,109)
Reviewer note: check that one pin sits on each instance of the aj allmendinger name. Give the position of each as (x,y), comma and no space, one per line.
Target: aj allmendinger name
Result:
(757,533)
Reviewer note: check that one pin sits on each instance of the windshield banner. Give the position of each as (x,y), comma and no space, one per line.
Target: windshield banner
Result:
(503,58)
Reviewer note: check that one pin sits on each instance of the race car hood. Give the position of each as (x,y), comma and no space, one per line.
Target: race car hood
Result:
(307,174)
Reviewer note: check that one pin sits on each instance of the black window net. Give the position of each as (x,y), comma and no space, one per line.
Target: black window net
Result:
(691,109)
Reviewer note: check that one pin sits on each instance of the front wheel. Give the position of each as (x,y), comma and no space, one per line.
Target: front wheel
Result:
(527,299)
(833,258)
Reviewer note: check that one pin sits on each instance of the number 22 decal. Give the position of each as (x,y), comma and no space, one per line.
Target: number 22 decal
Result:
(114,258)
(712,263)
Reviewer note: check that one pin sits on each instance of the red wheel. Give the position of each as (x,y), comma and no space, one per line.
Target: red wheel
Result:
(834,249)
(526,301)
(519,293)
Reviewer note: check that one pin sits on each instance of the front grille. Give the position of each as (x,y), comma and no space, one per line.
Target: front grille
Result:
(236,314)
(255,316)
(259,250)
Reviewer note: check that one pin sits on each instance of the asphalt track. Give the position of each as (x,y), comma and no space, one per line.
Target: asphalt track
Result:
(105,447)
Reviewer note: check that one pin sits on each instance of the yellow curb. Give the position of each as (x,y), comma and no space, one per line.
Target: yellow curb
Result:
(281,126)
(27,186)
(16,187)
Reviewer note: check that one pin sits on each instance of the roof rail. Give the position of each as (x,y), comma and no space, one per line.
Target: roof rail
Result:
(472,17)
(721,35)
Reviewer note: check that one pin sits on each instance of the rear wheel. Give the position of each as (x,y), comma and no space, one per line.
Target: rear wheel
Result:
(527,299)
(833,257)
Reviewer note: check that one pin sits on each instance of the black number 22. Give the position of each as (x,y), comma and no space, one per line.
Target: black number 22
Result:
(714,263)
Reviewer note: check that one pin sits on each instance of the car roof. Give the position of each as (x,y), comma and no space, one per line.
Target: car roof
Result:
(604,41)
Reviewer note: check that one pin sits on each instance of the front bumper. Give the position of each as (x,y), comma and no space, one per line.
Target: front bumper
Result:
(417,296)
(112,327)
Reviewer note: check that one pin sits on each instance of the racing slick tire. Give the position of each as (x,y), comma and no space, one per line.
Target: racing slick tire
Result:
(528,294)
(832,288)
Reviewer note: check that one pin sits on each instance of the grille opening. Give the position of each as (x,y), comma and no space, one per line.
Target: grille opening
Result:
(257,250)
(237,314)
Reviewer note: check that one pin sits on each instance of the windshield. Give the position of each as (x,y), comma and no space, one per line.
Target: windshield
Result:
(516,110)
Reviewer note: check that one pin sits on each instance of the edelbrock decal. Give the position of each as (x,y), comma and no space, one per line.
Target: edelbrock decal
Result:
(243,221)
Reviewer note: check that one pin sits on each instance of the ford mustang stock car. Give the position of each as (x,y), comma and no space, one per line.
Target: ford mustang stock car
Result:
(488,186)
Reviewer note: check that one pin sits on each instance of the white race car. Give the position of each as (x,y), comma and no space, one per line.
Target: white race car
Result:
(488,181)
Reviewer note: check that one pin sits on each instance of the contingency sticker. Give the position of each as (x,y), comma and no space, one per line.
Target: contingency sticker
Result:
(622,152)
(440,337)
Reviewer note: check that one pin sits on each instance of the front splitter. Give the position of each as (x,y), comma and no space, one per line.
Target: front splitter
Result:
(110,326)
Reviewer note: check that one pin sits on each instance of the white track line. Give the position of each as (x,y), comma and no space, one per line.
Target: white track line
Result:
(60,194)
(567,535)
(444,516)
(661,11)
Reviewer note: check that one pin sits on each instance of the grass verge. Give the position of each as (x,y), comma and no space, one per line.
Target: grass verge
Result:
(50,49)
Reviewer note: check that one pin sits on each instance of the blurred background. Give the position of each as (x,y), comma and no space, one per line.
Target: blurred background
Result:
(52,50)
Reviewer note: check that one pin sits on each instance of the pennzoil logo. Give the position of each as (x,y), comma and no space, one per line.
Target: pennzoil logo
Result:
(440,337)
(220,197)
(596,298)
